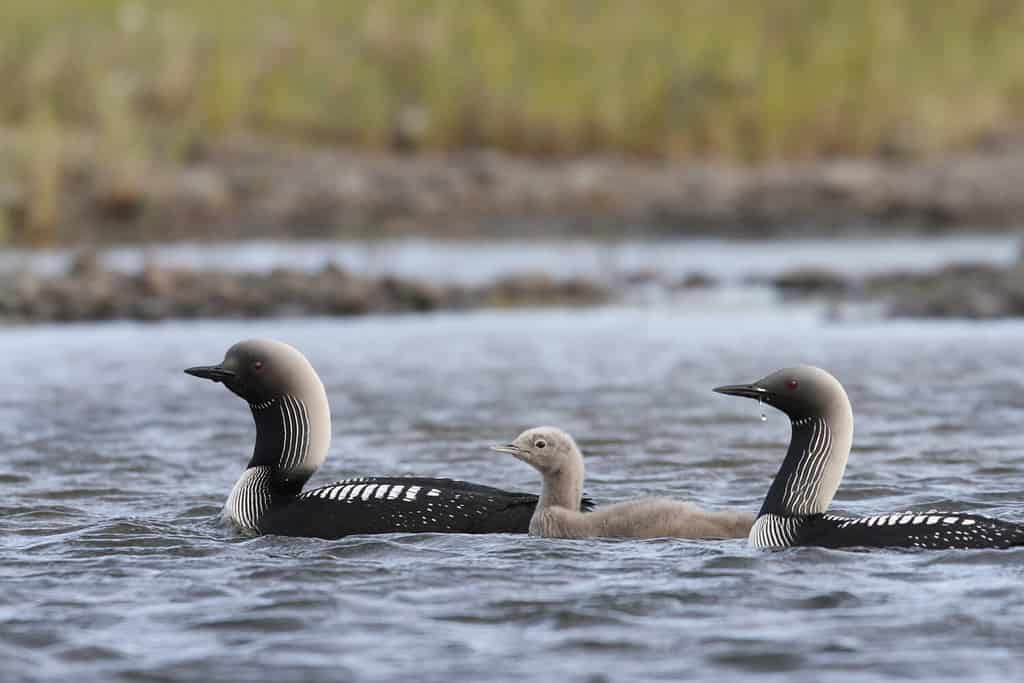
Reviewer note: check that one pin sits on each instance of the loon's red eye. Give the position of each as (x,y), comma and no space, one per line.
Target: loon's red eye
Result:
(792,384)
(257,365)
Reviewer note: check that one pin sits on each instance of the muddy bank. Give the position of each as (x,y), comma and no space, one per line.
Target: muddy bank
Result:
(255,188)
(90,292)
(969,291)
(961,291)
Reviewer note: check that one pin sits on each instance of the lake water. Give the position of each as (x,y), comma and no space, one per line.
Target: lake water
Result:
(115,465)
(481,262)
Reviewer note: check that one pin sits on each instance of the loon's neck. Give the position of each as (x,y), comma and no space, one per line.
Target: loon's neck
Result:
(813,468)
(291,441)
(564,487)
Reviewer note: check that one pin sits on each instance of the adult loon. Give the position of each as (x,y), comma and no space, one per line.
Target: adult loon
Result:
(293,433)
(794,511)
(554,454)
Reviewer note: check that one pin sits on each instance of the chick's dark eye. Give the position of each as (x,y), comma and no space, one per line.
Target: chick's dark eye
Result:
(539,443)
(792,384)
(257,365)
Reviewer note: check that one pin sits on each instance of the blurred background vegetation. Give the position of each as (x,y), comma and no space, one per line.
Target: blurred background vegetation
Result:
(126,82)
(739,80)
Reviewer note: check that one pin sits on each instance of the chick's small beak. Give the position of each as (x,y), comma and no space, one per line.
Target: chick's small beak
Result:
(744,390)
(507,448)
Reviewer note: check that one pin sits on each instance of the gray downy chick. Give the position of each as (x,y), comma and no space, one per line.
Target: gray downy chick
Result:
(554,454)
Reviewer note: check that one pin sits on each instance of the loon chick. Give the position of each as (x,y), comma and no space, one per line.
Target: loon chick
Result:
(793,513)
(293,433)
(554,454)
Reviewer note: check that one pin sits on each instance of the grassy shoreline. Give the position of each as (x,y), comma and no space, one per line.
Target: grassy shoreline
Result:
(128,88)
(743,80)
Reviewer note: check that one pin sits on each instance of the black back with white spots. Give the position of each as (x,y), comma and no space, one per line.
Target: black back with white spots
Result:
(373,505)
(933,529)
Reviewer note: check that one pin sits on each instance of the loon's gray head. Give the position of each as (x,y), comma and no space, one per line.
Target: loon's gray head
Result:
(289,406)
(822,421)
(260,370)
(800,392)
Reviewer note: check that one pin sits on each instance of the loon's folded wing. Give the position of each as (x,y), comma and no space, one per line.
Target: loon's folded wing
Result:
(374,505)
(586,503)
(933,529)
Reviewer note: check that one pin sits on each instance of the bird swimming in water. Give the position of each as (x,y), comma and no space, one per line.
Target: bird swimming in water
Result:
(794,511)
(293,433)
(554,454)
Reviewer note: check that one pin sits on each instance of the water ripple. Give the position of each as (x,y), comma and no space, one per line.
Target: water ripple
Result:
(116,565)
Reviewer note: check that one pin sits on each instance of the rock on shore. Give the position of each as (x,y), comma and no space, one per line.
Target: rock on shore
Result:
(968,291)
(88,291)
(960,291)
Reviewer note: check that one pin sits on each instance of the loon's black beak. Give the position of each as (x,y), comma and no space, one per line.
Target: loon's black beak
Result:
(217,373)
(744,390)
(508,448)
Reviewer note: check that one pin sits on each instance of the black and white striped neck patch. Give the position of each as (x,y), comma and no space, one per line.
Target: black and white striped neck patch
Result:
(295,432)
(801,494)
(256,407)
(774,531)
(250,498)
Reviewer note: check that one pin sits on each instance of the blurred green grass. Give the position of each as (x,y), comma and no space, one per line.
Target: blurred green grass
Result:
(739,80)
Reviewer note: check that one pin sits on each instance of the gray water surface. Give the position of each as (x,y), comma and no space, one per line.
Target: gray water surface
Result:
(476,263)
(114,466)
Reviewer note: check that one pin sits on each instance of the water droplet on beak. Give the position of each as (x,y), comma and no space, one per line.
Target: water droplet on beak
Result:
(760,407)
